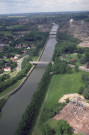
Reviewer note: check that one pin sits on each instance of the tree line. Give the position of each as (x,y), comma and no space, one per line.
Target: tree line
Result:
(85,90)
(32,111)
(62,128)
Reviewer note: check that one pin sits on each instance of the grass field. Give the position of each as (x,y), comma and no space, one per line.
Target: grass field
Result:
(6,33)
(11,88)
(59,86)
(35,58)
(16,26)
(63,84)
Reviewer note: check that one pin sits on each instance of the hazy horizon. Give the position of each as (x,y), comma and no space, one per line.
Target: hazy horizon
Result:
(35,6)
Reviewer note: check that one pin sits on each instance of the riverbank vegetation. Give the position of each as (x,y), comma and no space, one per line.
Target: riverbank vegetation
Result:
(32,111)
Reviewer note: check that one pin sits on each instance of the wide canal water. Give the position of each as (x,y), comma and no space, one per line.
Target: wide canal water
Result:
(14,108)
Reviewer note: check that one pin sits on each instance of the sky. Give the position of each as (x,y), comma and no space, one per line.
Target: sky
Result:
(29,6)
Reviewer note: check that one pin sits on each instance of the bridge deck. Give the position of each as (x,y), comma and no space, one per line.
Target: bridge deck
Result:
(39,62)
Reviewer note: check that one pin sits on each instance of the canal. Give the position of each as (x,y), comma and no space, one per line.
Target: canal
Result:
(14,108)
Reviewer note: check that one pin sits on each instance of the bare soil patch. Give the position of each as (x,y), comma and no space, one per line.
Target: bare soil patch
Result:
(76,112)
(77,116)
(84,44)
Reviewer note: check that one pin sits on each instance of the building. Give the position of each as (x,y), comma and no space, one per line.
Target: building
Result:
(2,47)
(7,69)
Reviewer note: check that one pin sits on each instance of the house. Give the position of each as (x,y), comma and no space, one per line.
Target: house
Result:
(13,59)
(16,58)
(32,46)
(28,48)
(21,45)
(24,45)
(18,46)
(7,69)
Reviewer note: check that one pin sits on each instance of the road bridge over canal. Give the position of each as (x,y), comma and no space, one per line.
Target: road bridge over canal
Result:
(40,62)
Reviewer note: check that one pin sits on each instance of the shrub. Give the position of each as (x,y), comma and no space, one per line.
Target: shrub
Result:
(81,90)
(63,128)
(86,93)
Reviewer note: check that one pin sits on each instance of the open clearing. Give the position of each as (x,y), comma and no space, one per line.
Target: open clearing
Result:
(84,44)
(63,84)
(77,116)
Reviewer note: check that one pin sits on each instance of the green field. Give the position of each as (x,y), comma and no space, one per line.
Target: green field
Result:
(16,26)
(11,88)
(6,33)
(63,84)
(60,85)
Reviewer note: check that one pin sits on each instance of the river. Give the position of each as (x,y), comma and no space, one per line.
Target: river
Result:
(15,106)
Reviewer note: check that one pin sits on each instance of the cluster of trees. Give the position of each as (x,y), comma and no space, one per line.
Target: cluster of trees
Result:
(83,58)
(4,63)
(62,128)
(39,39)
(32,110)
(66,37)
(85,90)
(61,67)
(6,37)
(36,38)
(32,37)
(10,52)
(12,65)
(2,102)
(66,44)
(1,71)
(51,111)
(20,75)
(4,77)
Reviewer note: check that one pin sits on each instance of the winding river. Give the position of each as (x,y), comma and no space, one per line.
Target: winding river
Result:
(14,108)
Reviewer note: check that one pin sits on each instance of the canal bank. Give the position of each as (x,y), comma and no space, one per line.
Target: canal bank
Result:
(17,103)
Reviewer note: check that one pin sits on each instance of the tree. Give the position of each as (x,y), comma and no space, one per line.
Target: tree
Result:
(83,60)
(63,128)
(13,65)
(46,130)
(81,90)
(69,70)
(59,67)
(86,93)
(87,56)
(1,71)
(85,77)
(76,68)
(79,55)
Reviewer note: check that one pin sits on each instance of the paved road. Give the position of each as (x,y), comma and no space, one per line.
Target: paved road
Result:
(19,62)
(80,67)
